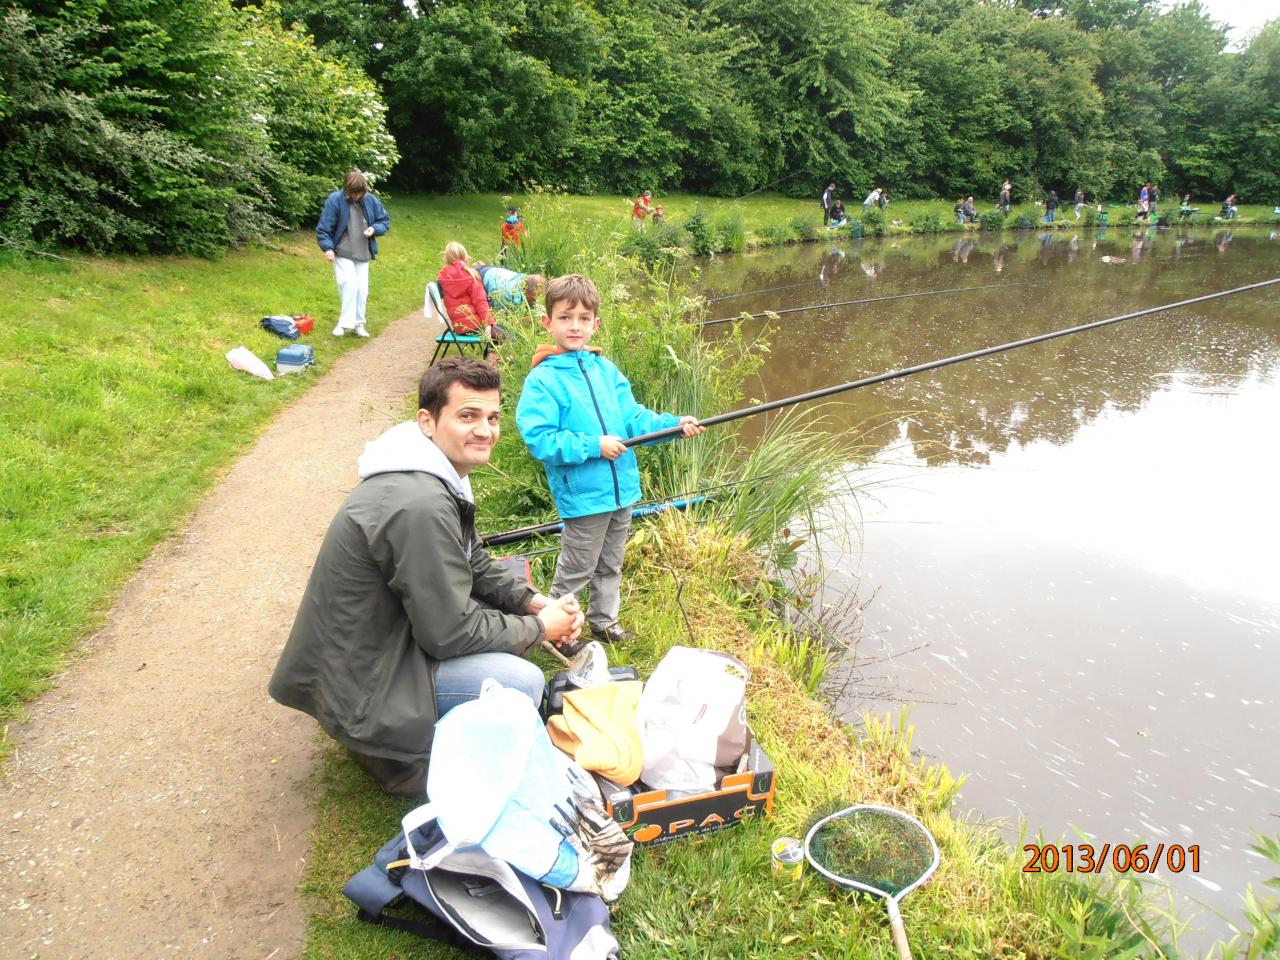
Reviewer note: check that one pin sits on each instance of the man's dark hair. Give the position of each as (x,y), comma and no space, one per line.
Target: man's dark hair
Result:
(433,389)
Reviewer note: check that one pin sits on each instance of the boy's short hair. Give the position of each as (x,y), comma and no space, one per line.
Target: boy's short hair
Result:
(574,288)
(434,387)
(533,284)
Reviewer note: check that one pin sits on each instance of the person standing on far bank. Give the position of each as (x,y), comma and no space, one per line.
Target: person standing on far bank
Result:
(350,223)
(828,198)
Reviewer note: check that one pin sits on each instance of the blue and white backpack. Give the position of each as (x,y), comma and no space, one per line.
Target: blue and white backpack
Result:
(479,904)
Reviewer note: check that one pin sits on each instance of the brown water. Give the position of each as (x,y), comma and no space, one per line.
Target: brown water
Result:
(1069,564)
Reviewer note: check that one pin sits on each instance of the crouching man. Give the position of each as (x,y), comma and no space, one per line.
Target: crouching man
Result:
(405,614)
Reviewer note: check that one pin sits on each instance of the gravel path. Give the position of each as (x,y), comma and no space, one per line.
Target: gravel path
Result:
(156,805)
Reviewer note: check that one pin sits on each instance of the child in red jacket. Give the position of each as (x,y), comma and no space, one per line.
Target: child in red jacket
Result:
(463,293)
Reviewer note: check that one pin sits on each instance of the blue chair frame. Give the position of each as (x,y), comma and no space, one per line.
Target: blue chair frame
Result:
(450,337)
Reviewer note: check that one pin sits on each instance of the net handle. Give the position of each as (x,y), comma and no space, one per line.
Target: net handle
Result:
(899,931)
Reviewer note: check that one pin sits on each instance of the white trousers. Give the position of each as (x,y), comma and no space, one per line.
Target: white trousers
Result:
(353,290)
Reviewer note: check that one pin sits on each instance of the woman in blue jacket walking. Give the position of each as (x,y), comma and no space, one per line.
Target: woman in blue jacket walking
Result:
(349,225)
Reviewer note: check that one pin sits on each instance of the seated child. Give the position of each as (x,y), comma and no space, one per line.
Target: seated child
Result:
(659,217)
(838,216)
(464,296)
(509,290)
(574,411)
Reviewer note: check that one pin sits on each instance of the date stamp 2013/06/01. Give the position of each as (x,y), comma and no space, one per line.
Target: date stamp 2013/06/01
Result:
(1120,857)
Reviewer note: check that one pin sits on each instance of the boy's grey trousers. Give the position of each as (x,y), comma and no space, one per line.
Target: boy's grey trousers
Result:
(591,551)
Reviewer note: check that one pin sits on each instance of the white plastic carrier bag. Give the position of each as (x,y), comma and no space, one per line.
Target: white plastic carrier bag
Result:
(495,781)
(692,719)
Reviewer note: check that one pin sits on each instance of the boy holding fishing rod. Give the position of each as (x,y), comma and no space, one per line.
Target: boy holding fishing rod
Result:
(574,412)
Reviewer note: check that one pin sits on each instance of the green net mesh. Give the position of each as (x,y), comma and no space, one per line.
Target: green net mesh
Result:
(876,848)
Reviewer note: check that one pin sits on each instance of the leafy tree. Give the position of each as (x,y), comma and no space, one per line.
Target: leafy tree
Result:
(171,125)
(817,75)
(322,116)
(138,138)
(470,110)
(1253,137)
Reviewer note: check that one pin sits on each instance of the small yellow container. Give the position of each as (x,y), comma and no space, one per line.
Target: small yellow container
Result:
(788,858)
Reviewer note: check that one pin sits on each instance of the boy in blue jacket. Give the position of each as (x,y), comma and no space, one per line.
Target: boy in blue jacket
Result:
(574,412)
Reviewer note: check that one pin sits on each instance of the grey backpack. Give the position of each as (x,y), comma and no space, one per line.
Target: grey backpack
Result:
(480,904)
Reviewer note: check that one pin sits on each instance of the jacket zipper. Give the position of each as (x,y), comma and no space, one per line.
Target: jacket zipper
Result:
(617,492)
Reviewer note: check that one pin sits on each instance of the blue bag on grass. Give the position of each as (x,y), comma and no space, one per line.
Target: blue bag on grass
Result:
(479,904)
(281,325)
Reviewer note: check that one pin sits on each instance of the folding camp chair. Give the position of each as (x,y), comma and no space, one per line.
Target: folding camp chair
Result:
(433,307)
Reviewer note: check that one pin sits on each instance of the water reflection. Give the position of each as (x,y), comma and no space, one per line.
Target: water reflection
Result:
(1071,563)
(1045,392)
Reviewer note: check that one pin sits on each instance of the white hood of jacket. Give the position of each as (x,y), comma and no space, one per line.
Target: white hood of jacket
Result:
(405,449)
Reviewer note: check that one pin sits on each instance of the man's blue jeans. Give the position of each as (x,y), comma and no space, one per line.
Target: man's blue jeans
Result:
(459,679)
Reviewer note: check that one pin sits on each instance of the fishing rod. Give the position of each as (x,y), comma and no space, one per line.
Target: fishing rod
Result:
(936,364)
(557,526)
(747,293)
(679,501)
(850,303)
(774,183)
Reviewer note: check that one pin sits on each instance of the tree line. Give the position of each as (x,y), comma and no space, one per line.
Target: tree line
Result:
(188,124)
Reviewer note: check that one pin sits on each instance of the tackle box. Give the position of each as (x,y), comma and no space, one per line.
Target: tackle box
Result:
(741,793)
(295,358)
(304,322)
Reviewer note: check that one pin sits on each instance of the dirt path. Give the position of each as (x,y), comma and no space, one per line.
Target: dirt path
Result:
(155,806)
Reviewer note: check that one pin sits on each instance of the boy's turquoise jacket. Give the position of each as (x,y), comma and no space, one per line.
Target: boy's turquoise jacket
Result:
(570,400)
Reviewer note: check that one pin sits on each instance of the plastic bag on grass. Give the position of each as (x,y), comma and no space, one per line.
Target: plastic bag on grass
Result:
(497,782)
(242,358)
(692,719)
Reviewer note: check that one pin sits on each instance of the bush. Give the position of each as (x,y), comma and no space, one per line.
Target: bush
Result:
(992,220)
(805,228)
(1089,217)
(730,235)
(776,235)
(207,128)
(701,241)
(930,223)
(1023,222)
(873,222)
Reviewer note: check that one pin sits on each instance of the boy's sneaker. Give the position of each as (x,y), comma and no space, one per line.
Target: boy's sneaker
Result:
(361,331)
(613,633)
(338,331)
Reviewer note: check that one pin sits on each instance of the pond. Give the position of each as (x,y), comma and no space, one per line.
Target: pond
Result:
(1068,555)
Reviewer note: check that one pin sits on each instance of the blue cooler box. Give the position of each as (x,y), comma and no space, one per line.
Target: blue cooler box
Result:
(295,358)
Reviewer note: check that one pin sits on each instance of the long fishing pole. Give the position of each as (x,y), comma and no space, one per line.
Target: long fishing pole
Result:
(850,303)
(679,500)
(936,364)
(748,293)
